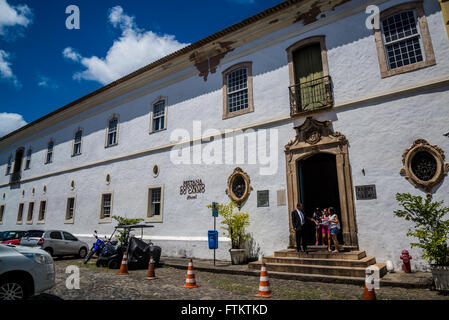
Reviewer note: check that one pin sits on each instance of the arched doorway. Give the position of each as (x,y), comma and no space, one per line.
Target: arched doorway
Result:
(324,153)
(318,186)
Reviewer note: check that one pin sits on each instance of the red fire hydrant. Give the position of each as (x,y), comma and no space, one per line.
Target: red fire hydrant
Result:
(406,257)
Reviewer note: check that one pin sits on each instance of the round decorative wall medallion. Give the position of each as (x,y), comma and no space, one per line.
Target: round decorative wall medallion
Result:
(45,189)
(108,179)
(72,185)
(424,165)
(239,187)
(155,170)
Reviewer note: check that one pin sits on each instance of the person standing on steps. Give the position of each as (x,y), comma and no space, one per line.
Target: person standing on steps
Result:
(299,225)
(334,225)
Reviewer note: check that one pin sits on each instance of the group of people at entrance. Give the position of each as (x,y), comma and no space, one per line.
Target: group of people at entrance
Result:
(325,221)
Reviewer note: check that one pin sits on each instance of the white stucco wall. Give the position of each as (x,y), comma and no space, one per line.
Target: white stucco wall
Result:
(378,134)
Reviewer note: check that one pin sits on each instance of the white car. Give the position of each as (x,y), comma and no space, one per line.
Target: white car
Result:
(24,272)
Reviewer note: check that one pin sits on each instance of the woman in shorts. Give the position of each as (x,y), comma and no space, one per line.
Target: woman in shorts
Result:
(325,229)
(334,226)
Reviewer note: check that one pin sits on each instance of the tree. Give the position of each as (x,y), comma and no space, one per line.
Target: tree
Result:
(123,234)
(431,230)
(235,224)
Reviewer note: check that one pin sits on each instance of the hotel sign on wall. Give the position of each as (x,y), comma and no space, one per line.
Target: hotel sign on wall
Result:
(191,188)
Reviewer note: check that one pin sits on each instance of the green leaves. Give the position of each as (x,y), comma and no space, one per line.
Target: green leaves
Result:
(234,223)
(431,230)
(123,234)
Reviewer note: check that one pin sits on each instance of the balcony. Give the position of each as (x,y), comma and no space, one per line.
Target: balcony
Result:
(310,96)
(15,177)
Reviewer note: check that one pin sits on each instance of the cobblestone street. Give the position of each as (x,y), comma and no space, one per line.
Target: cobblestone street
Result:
(105,284)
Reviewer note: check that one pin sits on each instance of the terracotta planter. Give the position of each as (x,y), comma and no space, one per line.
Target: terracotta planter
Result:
(440,276)
(238,256)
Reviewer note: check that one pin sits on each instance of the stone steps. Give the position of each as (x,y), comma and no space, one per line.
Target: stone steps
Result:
(364,262)
(319,262)
(345,255)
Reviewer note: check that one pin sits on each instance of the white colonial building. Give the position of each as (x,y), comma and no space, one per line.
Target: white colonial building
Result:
(308,101)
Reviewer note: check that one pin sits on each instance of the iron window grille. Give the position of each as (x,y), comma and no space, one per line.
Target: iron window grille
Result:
(106,205)
(50,147)
(159,116)
(77,143)
(311,95)
(112,132)
(70,208)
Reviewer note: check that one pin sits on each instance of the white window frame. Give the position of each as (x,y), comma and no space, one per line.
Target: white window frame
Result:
(417,35)
(108,219)
(39,219)
(160,217)
(152,118)
(74,154)
(32,205)
(50,152)
(67,219)
(106,144)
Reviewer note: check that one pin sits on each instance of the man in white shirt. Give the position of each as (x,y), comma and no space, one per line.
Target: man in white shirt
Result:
(299,224)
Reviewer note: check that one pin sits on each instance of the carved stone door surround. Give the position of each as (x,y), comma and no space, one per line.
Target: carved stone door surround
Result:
(314,137)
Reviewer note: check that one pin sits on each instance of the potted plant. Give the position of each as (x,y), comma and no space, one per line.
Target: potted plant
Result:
(432,232)
(235,224)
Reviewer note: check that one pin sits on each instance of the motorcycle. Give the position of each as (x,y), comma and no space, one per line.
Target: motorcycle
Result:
(97,247)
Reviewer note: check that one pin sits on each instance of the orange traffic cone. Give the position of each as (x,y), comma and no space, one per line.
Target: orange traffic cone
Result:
(264,284)
(369,293)
(150,274)
(190,278)
(124,266)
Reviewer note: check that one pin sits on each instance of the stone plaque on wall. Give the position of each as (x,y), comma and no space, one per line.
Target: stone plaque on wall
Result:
(367,192)
(281,197)
(263,198)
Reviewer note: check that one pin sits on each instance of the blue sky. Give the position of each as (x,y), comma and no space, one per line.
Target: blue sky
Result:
(44,65)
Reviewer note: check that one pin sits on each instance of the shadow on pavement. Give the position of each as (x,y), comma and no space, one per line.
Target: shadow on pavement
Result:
(45,296)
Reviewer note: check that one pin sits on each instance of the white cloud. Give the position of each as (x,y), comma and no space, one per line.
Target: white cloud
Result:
(134,49)
(5,69)
(46,82)
(69,53)
(10,122)
(13,16)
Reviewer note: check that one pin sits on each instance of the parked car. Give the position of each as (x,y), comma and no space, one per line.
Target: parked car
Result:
(55,242)
(24,272)
(11,237)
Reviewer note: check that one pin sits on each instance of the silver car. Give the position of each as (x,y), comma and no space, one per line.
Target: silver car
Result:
(55,242)
(24,272)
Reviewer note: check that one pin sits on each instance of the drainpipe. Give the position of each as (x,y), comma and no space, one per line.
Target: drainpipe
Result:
(445,11)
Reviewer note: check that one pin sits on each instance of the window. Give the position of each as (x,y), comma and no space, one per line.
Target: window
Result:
(106,206)
(155,203)
(8,165)
(30,212)
(50,147)
(77,142)
(28,159)
(69,236)
(310,84)
(158,115)
(237,90)
(2,212)
(112,137)
(55,235)
(70,210)
(403,41)
(42,209)
(20,213)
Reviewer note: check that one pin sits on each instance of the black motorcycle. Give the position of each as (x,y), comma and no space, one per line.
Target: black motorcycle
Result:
(138,251)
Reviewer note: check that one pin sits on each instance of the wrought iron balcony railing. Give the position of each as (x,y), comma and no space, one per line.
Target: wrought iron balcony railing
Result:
(15,177)
(311,95)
